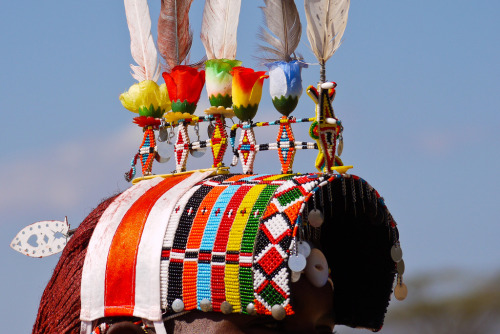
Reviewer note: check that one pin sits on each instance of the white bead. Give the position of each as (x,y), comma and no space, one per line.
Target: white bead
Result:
(317,268)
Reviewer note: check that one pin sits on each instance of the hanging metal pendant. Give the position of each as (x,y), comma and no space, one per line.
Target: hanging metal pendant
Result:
(297,262)
(199,152)
(210,130)
(42,239)
(400,291)
(400,267)
(163,134)
(396,253)
(304,248)
(315,218)
(340,147)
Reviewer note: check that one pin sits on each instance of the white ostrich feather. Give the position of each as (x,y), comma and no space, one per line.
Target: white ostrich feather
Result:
(283,22)
(326,23)
(142,44)
(219,27)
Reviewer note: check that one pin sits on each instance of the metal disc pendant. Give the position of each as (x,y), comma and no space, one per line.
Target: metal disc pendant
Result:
(178,305)
(226,307)
(400,291)
(205,305)
(340,147)
(163,134)
(304,248)
(251,309)
(401,267)
(315,218)
(198,153)
(295,276)
(163,153)
(396,253)
(278,312)
(297,262)
(210,130)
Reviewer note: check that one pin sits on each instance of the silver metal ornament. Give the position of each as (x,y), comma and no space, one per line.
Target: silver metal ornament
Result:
(42,238)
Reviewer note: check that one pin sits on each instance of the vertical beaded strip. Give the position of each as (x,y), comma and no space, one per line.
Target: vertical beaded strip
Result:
(219,256)
(181,147)
(207,243)
(270,272)
(286,151)
(169,281)
(189,275)
(248,241)
(243,212)
(247,148)
(219,141)
(148,150)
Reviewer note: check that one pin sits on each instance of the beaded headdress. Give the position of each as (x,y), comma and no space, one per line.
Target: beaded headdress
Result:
(215,241)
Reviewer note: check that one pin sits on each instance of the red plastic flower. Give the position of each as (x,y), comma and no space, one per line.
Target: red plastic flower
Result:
(184,85)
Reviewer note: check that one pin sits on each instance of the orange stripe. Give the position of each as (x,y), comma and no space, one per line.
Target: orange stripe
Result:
(119,293)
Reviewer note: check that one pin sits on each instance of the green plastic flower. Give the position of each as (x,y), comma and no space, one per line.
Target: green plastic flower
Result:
(219,81)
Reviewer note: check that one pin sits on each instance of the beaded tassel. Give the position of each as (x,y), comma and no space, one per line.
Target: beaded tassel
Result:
(247,148)
(219,141)
(286,151)
(148,150)
(181,148)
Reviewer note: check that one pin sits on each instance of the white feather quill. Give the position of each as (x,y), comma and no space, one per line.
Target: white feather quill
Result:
(142,44)
(326,23)
(283,22)
(219,28)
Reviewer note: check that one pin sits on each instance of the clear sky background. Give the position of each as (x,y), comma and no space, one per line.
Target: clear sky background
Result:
(417,93)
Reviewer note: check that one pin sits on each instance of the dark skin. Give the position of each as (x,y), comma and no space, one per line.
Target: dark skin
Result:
(313,314)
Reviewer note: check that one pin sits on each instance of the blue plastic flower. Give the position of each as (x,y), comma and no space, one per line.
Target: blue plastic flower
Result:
(285,84)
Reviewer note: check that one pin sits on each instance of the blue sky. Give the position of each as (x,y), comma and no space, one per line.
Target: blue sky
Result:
(417,94)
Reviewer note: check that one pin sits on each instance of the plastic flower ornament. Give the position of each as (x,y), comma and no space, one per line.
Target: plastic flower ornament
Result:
(247,91)
(184,84)
(219,81)
(285,84)
(147,99)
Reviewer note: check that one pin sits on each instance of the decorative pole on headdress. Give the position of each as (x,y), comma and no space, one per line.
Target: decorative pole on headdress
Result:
(184,83)
(146,97)
(218,34)
(285,82)
(247,91)
(326,23)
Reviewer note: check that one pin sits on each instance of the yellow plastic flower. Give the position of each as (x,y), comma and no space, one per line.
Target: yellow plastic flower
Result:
(147,99)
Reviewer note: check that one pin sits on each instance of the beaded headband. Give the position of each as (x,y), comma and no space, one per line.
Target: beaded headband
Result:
(235,243)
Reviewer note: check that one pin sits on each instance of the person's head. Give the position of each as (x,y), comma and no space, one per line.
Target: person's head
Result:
(244,288)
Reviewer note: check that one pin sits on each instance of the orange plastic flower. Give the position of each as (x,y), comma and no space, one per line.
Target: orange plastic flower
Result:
(247,91)
(184,85)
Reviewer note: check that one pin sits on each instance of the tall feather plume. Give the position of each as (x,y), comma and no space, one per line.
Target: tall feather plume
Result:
(219,27)
(326,23)
(142,44)
(174,34)
(284,30)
